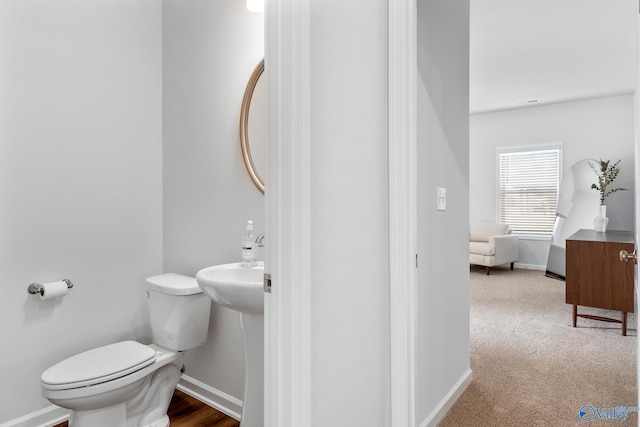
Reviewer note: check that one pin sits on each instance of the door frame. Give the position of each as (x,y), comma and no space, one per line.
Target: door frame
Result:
(403,253)
(287,308)
(637,173)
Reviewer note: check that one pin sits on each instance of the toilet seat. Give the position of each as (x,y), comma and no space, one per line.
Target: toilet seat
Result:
(99,365)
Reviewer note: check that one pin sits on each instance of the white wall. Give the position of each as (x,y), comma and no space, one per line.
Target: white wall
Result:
(80,180)
(442,353)
(209,51)
(349,378)
(595,128)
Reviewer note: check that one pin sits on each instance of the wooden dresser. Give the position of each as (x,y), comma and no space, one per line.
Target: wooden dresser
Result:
(596,277)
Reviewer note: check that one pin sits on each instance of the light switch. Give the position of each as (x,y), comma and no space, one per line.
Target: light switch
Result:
(441,201)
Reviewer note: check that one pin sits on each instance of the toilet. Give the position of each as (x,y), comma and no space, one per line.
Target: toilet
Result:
(127,383)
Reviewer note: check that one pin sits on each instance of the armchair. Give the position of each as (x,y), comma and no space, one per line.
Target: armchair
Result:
(492,244)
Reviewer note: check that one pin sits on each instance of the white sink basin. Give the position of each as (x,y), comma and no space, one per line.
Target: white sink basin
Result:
(234,286)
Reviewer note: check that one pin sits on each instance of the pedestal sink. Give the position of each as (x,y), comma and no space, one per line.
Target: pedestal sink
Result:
(240,288)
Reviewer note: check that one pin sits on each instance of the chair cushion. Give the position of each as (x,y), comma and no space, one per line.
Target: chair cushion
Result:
(481,231)
(482,248)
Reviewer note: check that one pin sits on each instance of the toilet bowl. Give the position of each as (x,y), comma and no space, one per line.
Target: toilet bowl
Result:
(129,384)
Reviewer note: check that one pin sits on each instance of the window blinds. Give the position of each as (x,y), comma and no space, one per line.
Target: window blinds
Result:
(528,190)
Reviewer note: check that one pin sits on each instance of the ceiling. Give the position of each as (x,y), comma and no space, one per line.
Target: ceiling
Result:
(532,52)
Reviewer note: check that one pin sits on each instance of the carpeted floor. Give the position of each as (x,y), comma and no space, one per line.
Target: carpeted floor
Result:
(531,368)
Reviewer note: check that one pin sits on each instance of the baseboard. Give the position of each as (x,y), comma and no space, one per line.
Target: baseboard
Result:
(208,395)
(448,401)
(46,417)
(530,266)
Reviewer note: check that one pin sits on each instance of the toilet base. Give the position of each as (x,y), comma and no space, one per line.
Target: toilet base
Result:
(110,417)
(149,407)
(163,422)
(145,401)
(115,415)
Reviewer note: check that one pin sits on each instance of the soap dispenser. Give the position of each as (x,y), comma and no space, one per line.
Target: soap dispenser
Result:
(248,250)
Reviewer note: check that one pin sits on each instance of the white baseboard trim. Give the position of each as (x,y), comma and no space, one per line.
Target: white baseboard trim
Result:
(447,402)
(46,417)
(530,266)
(208,395)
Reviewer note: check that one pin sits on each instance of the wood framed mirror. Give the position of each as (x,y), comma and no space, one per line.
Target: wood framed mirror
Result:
(249,126)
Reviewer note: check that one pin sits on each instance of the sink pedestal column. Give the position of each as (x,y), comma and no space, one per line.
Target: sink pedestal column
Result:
(253,402)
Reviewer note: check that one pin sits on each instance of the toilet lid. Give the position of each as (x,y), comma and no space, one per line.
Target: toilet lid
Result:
(98,365)
(173,284)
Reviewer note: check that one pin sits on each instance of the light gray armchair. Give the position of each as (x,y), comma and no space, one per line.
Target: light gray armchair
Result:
(492,244)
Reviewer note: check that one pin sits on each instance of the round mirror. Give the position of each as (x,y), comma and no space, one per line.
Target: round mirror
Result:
(252,122)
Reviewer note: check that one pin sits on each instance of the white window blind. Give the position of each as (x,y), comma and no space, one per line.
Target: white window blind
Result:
(528,189)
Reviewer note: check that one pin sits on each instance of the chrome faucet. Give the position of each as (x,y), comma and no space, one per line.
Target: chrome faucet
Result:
(260,240)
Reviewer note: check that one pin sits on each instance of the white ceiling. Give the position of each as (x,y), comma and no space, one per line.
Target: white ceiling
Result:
(550,51)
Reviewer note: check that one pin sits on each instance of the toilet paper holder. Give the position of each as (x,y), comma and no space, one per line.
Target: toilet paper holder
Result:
(37,288)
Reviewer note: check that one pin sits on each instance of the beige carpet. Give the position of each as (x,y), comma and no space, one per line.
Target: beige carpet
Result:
(531,368)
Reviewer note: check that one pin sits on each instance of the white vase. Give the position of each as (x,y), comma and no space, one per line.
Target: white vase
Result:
(600,221)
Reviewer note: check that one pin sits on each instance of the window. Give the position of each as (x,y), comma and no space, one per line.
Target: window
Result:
(528,188)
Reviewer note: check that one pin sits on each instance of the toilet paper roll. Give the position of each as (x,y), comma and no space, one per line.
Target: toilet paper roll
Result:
(53,290)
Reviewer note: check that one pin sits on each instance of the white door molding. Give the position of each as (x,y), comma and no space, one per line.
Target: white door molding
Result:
(402,117)
(287,323)
(637,164)
(287,308)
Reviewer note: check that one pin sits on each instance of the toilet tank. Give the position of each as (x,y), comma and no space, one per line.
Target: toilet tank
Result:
(178,311)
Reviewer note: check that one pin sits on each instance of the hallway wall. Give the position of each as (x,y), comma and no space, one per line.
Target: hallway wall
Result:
(442,347)
(349,214)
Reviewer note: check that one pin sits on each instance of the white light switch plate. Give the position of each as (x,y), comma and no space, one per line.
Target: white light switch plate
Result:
(441,200)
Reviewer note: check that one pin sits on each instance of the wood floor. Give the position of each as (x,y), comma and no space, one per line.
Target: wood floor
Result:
(185,411)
